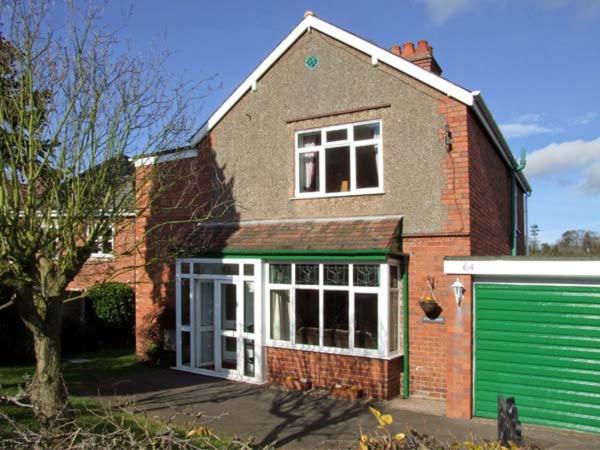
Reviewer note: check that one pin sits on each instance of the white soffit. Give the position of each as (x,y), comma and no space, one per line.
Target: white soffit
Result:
(524,267)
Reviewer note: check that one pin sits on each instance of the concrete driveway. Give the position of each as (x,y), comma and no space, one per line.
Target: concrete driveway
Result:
(294,420)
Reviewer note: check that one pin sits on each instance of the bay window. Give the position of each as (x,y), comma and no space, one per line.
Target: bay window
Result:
(341,308)
(339,160)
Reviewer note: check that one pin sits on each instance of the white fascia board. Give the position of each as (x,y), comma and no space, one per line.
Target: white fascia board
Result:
(376,53)
(248,82)
(160,158)
(521,268)
(495,134)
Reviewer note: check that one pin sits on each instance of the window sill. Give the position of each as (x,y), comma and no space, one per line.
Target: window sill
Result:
(337,194)
(374,354)
(102,256)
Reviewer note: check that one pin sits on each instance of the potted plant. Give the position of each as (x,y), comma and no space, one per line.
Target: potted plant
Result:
(344,391)
(428,302)
(294,383)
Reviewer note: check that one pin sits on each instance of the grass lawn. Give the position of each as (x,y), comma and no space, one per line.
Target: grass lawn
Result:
(112,364)
(82,377)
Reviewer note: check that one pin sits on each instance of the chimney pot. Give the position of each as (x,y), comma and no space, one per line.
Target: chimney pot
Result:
(423,48)
(396,50)
(408,49)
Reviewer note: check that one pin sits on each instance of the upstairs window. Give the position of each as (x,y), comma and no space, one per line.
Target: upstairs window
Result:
(104,245)
(339,160)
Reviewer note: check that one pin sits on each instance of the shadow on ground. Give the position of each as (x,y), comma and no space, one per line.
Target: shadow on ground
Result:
(292,419)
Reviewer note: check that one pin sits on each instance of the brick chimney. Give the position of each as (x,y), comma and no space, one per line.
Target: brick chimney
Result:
(421,55)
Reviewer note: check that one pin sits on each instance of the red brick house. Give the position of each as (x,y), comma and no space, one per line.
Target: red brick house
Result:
(351,171)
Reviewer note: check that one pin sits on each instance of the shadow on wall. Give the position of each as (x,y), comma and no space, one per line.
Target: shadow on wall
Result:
(179,215)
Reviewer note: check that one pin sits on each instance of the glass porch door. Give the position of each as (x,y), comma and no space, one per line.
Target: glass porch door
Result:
(204,324)
(236,339)
(218,320)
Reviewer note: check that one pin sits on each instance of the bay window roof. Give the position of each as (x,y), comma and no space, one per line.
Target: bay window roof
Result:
(366,237)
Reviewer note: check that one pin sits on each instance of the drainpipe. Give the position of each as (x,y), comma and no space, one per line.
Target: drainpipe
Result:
(513,202)
(405,378)
(526,214)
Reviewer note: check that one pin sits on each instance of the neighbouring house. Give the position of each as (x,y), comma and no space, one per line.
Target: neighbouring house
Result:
(340,175)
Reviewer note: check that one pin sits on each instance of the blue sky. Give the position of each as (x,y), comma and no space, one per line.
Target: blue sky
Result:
(537,63)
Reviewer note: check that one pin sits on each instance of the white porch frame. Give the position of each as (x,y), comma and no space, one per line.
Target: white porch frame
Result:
(240,334)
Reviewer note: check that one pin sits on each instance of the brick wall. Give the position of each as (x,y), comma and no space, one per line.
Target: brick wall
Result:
(490,194)
(378,378)
(118,268)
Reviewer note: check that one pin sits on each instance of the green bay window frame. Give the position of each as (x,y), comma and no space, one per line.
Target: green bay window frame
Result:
(383,309)
(321,151)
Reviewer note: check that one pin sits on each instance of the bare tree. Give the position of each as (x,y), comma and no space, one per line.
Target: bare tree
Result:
(74,107)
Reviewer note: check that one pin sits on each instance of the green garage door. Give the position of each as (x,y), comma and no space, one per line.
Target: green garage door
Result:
(541,345)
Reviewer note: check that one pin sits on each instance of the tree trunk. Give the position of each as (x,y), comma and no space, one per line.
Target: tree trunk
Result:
(48,391)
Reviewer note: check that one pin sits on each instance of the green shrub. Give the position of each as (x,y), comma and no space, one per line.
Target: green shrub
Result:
(114,305)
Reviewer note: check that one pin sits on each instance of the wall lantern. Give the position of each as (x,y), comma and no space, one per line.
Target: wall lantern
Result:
(459,291)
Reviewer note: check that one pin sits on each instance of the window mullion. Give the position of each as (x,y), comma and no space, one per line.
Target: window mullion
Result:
(321,312)
(383,303)
(351,312)
(292,311)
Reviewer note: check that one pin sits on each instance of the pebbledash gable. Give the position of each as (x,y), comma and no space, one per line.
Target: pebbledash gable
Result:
(352,171)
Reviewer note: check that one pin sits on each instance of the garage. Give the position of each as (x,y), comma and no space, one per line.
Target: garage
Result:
(536,337)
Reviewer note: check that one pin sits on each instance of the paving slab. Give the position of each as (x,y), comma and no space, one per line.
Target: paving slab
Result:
(303,421)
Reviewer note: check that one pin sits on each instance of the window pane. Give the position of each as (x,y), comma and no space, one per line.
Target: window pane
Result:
(185,267)
(229,352)
(335,306)
(366,167)
(394,277)
(309,172)
(280,273)
(248,357)
(186,349)
(185,301)
(280,315)
(204,303)
(248,269)
(368,131)
(307,316)
(337,135)
(307,274)
(216,269)
(248,307)
(228,306)
(336,274)
(366,275)
(337,169)
(365,319)
(311,139)
(394,320)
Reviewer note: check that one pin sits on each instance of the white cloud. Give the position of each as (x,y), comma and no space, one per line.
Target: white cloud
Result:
(441,10)
(585,118)
(591,183)
(557,157)
(530,117)
(583,8)
(519,130)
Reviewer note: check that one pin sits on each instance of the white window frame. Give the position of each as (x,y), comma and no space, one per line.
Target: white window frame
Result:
(321,151)
(383,298)
(99,242)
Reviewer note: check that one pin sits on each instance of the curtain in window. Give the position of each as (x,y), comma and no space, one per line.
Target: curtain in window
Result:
(280,316)
(310,170)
